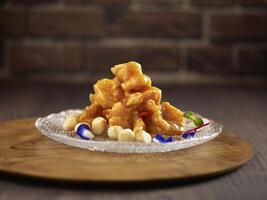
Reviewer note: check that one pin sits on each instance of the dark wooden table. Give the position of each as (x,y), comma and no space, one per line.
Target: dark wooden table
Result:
(241,110)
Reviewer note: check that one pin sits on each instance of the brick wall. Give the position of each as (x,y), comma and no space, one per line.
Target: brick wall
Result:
(175,40)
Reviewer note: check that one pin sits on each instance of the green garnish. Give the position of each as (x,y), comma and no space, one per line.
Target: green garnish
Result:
(189,115)
(196,120)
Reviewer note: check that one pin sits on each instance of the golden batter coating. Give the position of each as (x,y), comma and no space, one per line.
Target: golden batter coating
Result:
(130,101)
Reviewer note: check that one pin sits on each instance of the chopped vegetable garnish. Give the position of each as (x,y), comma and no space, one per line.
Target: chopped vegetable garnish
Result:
(189,115)
(196,120)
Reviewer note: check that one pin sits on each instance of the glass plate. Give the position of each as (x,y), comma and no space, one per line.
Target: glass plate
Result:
(52,127)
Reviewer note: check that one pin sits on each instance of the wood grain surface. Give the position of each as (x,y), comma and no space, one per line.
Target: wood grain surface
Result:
(23,150)
(241,111)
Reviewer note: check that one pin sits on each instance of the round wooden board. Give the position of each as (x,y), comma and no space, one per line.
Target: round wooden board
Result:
(24,151)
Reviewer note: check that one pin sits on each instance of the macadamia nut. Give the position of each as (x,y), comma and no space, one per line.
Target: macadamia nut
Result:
(126,135)
(113,132)
(143,136)
(70,122)
(99,126)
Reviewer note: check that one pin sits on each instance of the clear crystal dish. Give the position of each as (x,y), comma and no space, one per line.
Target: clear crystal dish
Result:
(52,127)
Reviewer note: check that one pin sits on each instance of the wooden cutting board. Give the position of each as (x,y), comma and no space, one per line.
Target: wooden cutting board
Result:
(24,151)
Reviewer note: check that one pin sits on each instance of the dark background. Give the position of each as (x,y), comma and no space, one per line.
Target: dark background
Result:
(176,41)
(52,50)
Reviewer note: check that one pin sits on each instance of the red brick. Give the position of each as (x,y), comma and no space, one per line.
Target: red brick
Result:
(67,22)
(212,2)
(72,54)
(101,58)
(238,27)
(229,2)
(158,2)
(12,22)
(74,1)
(25,2)
(253,2)
(35,56)
(2,51)
(209,59)
(253,60)
(155,24)
(98,2)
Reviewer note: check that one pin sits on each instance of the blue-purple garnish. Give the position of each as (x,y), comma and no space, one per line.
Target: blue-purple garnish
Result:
(188,134)
(83,131)
(160,139)
(192,132)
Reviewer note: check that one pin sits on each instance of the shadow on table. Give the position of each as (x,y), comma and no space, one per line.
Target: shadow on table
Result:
(110,186)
